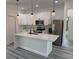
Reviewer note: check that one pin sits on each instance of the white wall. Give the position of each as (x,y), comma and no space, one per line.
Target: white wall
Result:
(10,30)
(59,12)
(68,12)
(69,33)
(10,23)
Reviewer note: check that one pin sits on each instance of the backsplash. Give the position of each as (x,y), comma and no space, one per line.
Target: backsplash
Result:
(32,27)
(26,27)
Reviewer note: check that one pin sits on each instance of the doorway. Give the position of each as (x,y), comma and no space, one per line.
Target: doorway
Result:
(10,29)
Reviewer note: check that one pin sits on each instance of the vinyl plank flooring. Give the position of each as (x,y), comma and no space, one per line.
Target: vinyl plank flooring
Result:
(10,55)
(61,49)
(61,54)
(26,54)
(57,53)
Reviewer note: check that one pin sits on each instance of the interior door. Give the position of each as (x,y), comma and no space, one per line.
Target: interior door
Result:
(10,29)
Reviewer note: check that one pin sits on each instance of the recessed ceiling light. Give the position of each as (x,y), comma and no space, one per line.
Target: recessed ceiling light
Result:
(37,5)
(56,1)
(22,8)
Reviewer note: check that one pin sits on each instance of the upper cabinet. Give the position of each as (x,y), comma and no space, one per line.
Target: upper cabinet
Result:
(24,19)
(27,19)
(43,16)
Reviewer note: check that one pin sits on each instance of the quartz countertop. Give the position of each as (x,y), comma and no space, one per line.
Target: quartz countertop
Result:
(41,36)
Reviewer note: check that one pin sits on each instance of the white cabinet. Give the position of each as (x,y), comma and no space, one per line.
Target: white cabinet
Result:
(43,16)
(26,19)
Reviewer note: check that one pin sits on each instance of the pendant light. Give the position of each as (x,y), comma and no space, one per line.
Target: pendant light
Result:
(32,14)
(17,7)
(53,11)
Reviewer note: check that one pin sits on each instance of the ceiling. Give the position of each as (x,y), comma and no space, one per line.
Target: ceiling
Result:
(26,4)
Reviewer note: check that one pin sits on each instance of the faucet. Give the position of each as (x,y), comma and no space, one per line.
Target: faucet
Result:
(31,29)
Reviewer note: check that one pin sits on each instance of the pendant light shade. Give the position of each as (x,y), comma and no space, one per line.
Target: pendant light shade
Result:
(53,13)
(17,0)
(32,14)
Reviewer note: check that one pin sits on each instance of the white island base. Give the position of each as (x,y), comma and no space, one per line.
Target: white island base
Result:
(34,44)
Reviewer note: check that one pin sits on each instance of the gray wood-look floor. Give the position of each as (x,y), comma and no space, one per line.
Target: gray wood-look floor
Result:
(57,53)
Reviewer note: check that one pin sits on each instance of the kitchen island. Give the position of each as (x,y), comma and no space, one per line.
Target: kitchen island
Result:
(37,43)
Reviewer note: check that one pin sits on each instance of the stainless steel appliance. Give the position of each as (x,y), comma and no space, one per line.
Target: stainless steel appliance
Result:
(40,26)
